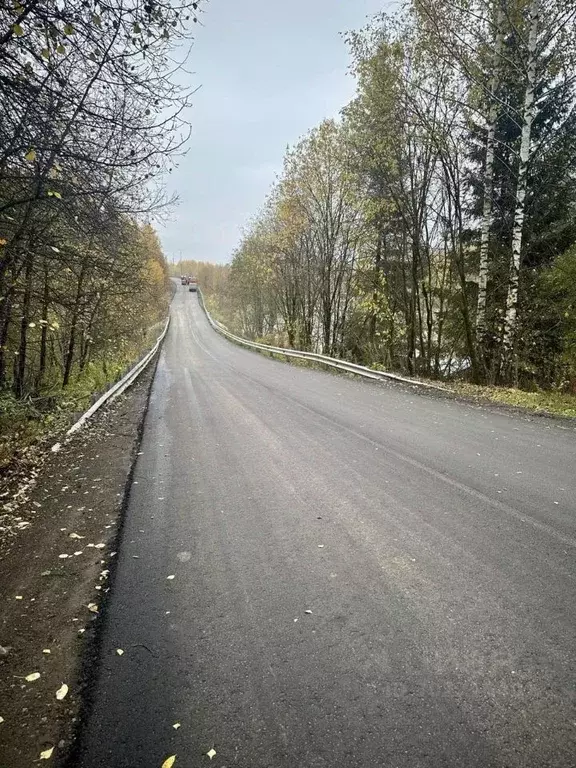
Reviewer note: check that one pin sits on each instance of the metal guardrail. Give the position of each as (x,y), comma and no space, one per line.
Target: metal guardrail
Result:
(121,385)
(333,362)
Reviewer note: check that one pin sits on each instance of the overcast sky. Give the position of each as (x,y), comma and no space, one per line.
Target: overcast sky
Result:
(269,70)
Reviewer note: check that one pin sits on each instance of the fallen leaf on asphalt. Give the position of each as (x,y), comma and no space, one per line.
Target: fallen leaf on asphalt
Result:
(100,546)
(33,676)
(78,553)
(176,726)
(320,546)
(75,536)
(170,577)
(308,611)
(46,650)
(1,719)
(119,651)
(61,692)
(211,753)
(169,762)
(47,754)
(63,557)
(19,597)
(92,607)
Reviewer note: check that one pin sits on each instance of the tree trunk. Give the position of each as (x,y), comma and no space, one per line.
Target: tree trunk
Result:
(489,176)
(73,326)
(20,362)
(44,333)
(510,320)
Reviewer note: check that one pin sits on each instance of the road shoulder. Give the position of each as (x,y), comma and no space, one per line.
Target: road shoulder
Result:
(54,578)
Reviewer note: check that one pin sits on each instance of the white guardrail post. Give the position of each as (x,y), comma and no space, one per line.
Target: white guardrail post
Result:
(121,385)
(333,362)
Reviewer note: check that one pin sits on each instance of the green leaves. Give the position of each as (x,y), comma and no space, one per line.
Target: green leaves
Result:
(30,155)
(17,29)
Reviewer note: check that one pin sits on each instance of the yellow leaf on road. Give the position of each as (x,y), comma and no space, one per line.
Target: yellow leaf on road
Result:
(169,762)
(119,651)
(33,676)
(47,754)
(61,692)
(176,726)
(211,753)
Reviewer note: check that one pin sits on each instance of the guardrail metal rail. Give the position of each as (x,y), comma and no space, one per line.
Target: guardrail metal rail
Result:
(333,362)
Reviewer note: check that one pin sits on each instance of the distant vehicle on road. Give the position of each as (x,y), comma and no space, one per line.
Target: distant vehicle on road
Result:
(183,280)
(192,284)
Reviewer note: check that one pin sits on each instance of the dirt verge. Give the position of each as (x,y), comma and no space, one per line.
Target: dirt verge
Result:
(54,576)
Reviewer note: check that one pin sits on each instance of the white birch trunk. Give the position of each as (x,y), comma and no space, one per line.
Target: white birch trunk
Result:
(519,211)
(489,173)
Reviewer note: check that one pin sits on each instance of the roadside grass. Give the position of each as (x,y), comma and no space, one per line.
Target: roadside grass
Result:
(27,424)
(553,402)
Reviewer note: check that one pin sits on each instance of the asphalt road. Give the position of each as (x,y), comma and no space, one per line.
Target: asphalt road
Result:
(364,576)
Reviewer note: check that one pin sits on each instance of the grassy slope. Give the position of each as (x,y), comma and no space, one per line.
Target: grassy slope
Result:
(555,403)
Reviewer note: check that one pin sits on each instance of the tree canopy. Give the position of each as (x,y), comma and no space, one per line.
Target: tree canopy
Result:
(431,228)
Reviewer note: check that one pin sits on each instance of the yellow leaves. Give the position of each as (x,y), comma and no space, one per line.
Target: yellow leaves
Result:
(92,607)
(47,754)
(211,753)
(53,193)
(176,726)
(169,762)
(30,155)
(119,651)
(62,692)
(32,677)
(3,241)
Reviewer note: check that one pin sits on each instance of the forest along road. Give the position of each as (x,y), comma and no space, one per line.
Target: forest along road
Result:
(324,572)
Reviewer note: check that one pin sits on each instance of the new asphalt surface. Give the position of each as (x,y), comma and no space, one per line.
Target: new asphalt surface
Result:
(323,572)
